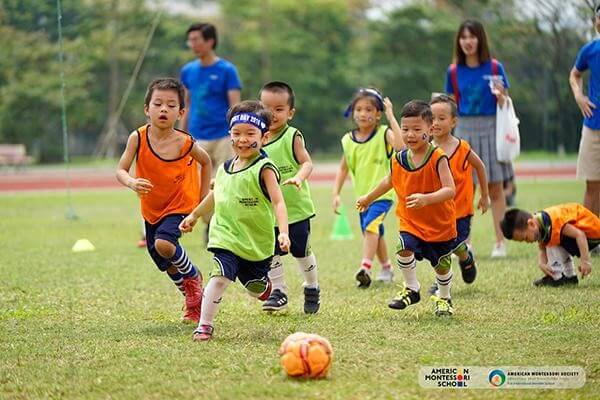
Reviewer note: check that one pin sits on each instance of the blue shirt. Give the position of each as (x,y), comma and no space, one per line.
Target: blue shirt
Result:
(208,87)
(589,58)
(476,98)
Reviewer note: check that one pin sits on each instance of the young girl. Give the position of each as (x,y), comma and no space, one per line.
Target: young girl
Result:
(167,183)
(462,160)
(468,79)
(242,231)
(367,152)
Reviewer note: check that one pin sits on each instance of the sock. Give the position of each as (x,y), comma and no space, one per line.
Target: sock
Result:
(276,275)
(556,269)
(386,265)
(408,266)
(177,279)
(569,268)
(308,268)
(211,298)
(366,263)
(181,261)
(444,282)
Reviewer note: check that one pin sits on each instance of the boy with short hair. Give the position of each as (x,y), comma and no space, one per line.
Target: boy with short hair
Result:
(284,145)
(423,183)
(562,231)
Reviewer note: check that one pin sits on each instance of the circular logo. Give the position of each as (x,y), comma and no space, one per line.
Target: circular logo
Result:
(497,377)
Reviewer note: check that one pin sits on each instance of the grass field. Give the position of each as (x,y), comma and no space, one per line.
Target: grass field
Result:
(105,324)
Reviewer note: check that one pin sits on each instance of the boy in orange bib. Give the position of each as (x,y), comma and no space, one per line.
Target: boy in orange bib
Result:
(167,183)
(425,189)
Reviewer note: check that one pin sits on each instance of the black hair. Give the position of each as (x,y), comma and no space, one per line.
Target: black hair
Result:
(250,106)
(166,84)
(280,87)
(514,220)
(417,108)
(445,99)
(476,29)
(371,93)
(208,31)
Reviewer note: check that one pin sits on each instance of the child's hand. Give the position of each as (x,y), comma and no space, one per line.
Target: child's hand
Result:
(187,225)
(388,106)
(484,204)
(585,268)
(416,200)
(545,269)
(284,241)
(336,204)
(294,181)
(362,203)
(140,185)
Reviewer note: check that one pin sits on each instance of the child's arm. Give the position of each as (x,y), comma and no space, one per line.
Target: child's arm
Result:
(584,252)
(395,138)
(382,188)
(205,207)
(340,178)
(269,178)
(446,192)
(138,185)
(484,198)
(200,155)
(306,166)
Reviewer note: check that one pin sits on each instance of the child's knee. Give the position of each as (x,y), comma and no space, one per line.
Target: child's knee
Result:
(164,248)
(442,270)
(259,288)
(405,253)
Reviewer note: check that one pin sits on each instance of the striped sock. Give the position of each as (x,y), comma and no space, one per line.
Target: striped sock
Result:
(408,267)
(183,264)
(366,263)
(177,279)
(444,282)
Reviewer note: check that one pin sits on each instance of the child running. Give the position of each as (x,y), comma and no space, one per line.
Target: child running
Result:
(561,231)
(242,230)
(462,160)
(166,169)
(423,183)
(367,151)
(285,147)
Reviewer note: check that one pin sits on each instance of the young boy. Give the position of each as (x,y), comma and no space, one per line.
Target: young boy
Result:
(284,145)
(167,183)
(562,231)
(462,160)
(423,183)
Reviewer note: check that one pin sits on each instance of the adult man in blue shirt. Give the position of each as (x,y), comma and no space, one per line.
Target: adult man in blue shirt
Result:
(212,86)
(588,160)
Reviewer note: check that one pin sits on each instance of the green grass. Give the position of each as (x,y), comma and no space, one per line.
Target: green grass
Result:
(105,324)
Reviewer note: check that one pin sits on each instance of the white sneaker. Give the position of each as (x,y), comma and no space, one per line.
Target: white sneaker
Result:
(386,275)
(499,250)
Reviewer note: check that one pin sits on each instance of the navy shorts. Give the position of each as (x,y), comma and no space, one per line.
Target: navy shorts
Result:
(166,229)
(371,220)
(299,235)
(437,253)
(247,272)
(463,229)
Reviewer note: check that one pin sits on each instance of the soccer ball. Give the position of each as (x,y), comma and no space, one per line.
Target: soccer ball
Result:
(305,355)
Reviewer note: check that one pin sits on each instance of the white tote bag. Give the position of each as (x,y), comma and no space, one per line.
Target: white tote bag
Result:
(508,140)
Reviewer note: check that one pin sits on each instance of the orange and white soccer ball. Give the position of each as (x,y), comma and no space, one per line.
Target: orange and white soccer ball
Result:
(305,355)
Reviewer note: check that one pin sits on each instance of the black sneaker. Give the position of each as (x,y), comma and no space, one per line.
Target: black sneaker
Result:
(404,298)
(277,301)
(570,280)
(547,280)
(468,269)
(363,276)
(312,300)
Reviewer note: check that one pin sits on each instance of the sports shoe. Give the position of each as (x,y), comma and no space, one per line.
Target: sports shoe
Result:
(277,301)
(203,333)
(192,287)
(468,269)
(363,276)
(386,275)
(142,242)
(570,280)
(443,307)
(404,298)
(547,280)
(499,250)
(312,300)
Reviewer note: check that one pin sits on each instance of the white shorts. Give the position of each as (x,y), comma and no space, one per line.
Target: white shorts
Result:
(588,160)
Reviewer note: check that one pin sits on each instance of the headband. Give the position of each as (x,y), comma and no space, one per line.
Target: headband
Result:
(249,118)
(369,92)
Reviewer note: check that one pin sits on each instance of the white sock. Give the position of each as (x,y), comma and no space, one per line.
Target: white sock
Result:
(408,266)
(276,275)
(308,269)
(211,298)
(444,282)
